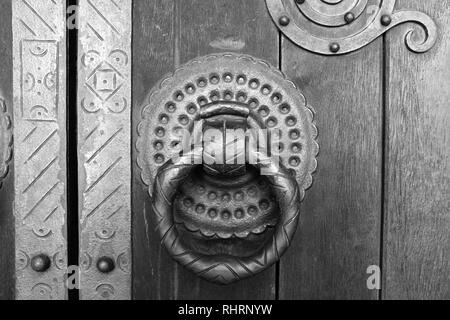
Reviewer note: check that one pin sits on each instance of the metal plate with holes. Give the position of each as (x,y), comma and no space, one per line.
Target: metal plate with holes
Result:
(334,27)
(205,217)
(104,119)
(6,140)
(39,42)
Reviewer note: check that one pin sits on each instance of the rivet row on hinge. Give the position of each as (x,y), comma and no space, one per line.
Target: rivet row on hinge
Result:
(339,32)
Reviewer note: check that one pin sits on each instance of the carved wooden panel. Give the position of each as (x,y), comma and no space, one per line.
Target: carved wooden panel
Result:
(39,127)
(104,117)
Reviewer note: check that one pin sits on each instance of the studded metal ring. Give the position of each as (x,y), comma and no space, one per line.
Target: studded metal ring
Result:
(226,222)
(177,99)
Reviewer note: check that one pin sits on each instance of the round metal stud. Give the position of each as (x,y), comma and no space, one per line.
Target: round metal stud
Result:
(386,20)
(41,263)
(284,21)
(349,17)
(335,47)
(105,265)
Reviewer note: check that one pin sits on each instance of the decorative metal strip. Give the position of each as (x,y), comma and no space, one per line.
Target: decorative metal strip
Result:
(342,26)
(40,153)
(104,93)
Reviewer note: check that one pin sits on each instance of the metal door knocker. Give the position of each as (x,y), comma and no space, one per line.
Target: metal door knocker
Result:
(334,27)
(5,141)
(227,147)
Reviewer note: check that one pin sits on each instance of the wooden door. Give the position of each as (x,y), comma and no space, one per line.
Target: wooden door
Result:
(379,197)
(168,34)
(374,224)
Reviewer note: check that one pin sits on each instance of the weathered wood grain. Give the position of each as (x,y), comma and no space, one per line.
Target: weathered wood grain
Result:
(339,232)
(417,202)
(153,51)
(226,25)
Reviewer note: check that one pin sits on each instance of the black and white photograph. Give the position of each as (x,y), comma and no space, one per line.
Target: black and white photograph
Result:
(224,156)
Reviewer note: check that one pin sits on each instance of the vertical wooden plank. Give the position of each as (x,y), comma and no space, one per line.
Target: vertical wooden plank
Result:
(339,232)
(6,167)
(167,34)
(40,149)
(417,221)
(104,118)
(205,27)
(153,48)
(222,26)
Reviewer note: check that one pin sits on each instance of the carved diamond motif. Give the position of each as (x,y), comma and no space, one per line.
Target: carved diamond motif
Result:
(105,81)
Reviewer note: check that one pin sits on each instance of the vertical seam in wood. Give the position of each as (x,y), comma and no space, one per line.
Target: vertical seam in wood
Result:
(385,156)
(177,33)
(72,149)
(278,265)
(177,63)
(131,154)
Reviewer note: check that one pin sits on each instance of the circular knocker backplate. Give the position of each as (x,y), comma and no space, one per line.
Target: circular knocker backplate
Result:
(5,141)
(333,27)
(226,222)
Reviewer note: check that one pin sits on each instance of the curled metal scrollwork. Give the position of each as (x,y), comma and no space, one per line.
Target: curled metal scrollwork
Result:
(333,27)
(5,141)
(231,220)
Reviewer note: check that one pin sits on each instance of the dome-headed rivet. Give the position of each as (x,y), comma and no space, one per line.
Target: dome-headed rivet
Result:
(386,20)
(335,47)
(349,17)
(41,263)
(105,265)
(284,21)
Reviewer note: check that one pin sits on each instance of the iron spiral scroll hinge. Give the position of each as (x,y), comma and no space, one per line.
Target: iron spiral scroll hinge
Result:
(319,26)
